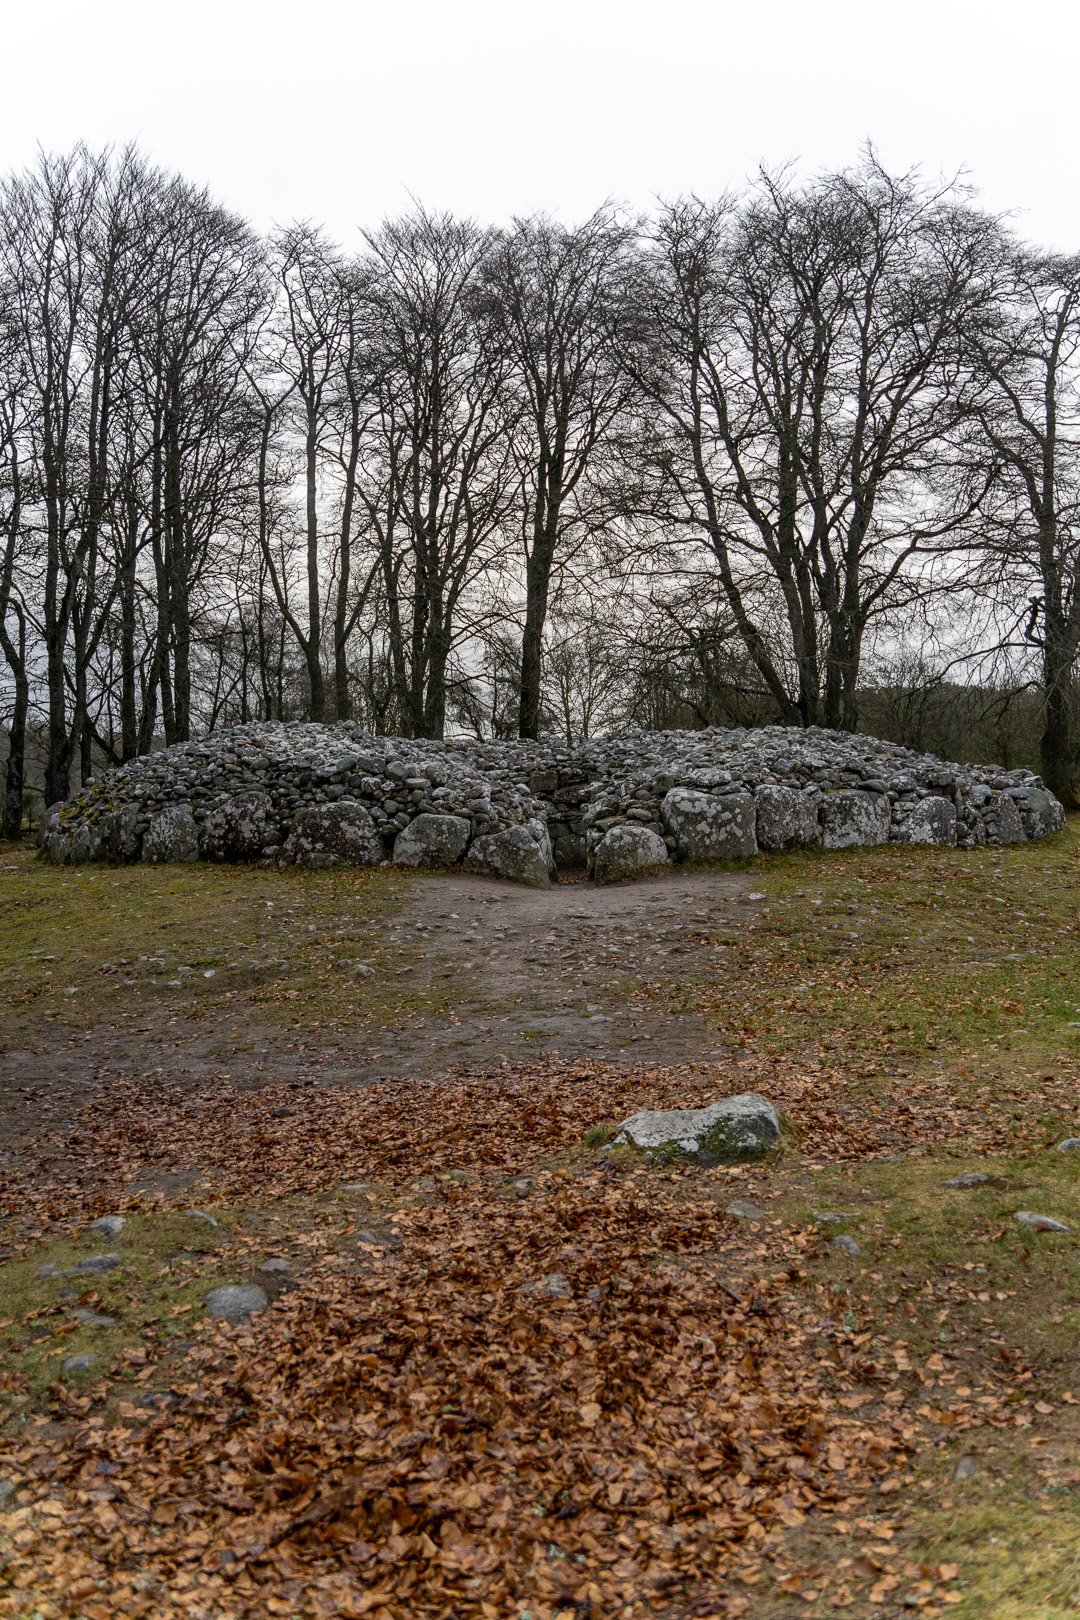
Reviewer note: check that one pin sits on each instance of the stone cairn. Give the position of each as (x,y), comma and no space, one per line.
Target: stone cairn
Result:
(624,807)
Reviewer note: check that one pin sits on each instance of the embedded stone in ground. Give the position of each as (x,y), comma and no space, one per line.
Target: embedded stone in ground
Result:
(79,1364)
(109,1226)
(708,826)
(787,818)
(341,834)
(235,1302)
(520,854)
(845,1244)
(730,1131)
(1039,1223)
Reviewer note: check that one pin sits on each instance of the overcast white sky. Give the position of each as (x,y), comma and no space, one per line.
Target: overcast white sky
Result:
(337,111)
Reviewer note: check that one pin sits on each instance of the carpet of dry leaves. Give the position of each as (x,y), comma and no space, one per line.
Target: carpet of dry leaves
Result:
(606,1398)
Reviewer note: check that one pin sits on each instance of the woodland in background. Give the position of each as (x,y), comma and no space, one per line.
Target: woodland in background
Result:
(807,454)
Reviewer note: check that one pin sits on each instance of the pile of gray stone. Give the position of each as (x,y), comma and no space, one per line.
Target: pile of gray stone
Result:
(624,807)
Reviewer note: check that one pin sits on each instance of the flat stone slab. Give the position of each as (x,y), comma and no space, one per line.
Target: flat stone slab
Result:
(235,1302)
(78,1364)
(744,1210)
(1039,1223)
(730,1131)
(95,1266)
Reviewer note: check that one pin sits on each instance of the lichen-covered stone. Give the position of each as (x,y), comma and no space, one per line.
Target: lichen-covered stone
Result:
(173,835)
(851,818)
(1001,818)
(785,817)
(517,854)
(932,821)
(628,852)
(730,1131)
(119,833)
(431,840)
(341,834)
(709,826)
(235,828)
(1040,813)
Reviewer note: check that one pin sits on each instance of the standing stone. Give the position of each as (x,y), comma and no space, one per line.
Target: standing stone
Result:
(786,818)
(431,840)
(933,821)
(710,827)
(235,829)
(173,835)
(628,851)
(515,854)
(851,818)
(1002,821)
(118,830)
(341,834)
(1040,812)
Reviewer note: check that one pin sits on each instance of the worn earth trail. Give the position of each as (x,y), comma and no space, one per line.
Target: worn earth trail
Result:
(499,1373)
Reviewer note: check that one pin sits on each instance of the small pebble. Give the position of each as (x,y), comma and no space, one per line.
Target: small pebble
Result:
(965,1468)
(845,1244)
(826,1217)
(79,1364)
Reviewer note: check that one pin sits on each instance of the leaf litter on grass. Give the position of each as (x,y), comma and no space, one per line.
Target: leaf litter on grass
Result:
(602,1398)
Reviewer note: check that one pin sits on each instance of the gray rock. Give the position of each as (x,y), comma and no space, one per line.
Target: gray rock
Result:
(744,1210)
(275,1264)
(341,834)
(109,1226)
(845,1244)
(119,833)
(965,1468)
(835,1217)
(974,1178)
(235,1302)
(554,1285)
(730,1131)
(786,818)
(50,822)
(708,826)
(79,1364)
(173,835)
(7,1490)
(432,841)
(1040,812)
(851,818)
(95,1266)
(1001,818)
(1068,1145)
(626,852)
(235,829)
(94,1319)
(1039,1223)
(932,821)
(201,1215)
(515,854)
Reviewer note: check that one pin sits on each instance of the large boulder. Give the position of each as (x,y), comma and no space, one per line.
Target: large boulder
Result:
(173,835)
(235,829)
(786,818)
(73,845)
(1001,818)
(850,818)
(341,834)
(521,854)
(431,840)
(628,851)
(119,833)
(1040,812)
(727,1132)
(709,826)
(932,821)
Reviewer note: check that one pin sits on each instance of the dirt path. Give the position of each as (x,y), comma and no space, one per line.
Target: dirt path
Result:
(528,971)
